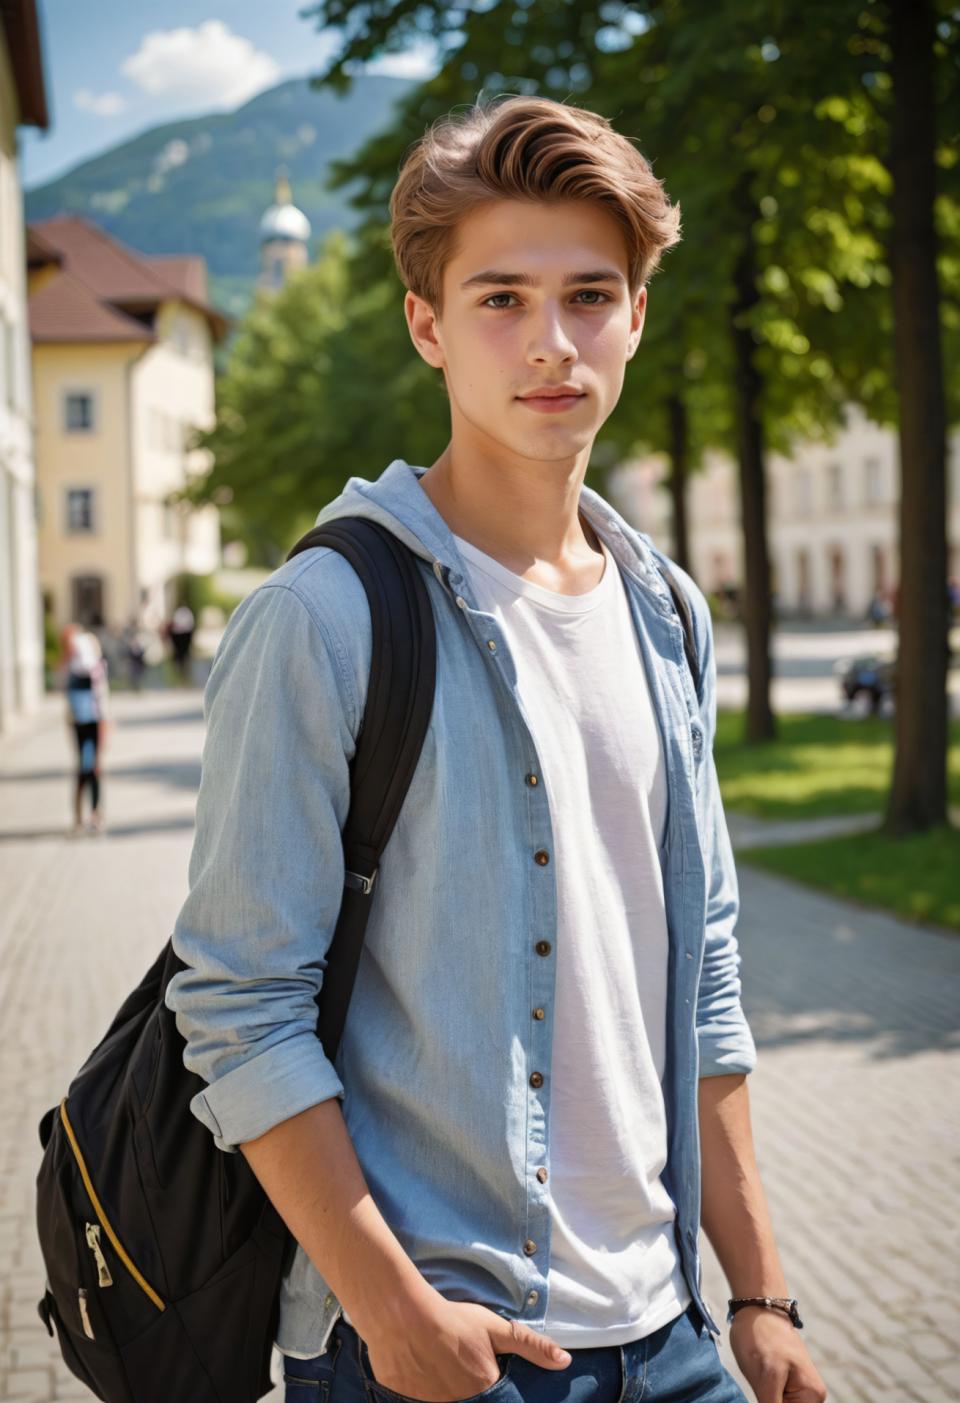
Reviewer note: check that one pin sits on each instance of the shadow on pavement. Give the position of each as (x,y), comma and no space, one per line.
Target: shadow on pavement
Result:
(113,830)
(182,774)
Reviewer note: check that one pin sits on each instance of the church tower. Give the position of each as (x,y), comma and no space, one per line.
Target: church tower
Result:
(284,237)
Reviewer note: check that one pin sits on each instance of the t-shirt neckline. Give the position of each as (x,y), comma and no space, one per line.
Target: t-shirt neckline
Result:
(539,594)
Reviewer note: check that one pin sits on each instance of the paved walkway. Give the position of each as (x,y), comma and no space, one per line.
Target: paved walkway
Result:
(746,831)
(855,1016)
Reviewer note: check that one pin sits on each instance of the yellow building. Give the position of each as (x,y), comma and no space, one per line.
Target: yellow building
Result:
(22,103)
(122,375)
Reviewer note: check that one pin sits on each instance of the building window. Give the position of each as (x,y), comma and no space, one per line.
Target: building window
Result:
(873,481)
(835,486)
(78,412)
(803,493)
(80,509)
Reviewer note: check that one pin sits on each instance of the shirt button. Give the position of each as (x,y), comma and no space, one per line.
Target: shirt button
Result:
(533,1297)
(536,1079)
(542,1175)
(529,1247)
(533,781)
(541,856)
(461,602)
(491,645)
(543,947)
(538,1013)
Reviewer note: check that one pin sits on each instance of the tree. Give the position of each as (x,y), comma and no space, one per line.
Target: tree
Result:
(918,796)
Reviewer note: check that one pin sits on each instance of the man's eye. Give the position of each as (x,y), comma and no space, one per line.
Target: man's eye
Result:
(590,292)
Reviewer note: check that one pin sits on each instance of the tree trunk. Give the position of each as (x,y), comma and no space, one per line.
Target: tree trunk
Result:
(755,594)
(918,796)
(679,459)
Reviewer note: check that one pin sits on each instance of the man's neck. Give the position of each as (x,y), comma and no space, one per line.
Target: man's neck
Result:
(526,516)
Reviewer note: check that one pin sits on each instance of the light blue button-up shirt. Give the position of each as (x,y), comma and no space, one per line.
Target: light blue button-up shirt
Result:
(434,1065)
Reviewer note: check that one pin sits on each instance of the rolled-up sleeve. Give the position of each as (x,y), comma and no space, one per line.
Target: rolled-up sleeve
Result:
(266,869)
(725,1040)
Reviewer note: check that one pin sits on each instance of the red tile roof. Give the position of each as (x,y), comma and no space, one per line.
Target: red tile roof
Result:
(64,309)
(187,273)
(118,277)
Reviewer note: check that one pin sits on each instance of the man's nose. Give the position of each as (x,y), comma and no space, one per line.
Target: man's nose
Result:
(550,339)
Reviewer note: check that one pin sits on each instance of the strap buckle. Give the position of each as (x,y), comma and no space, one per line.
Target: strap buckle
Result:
(359,882)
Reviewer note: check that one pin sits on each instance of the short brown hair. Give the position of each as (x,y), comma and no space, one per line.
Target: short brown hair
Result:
(514,147)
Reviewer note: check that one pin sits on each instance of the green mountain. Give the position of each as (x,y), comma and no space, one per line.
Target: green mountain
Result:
(201,185)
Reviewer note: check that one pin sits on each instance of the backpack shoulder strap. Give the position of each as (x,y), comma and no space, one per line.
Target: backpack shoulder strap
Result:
(397,713)
(682,605)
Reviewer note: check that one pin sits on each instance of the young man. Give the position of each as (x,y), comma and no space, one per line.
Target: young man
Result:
(541,1081)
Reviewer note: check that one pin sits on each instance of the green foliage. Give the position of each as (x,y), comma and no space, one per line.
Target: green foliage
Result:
(322,384)
(199,592)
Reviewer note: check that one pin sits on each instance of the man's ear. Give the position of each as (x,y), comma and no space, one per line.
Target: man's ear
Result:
(638,316)
(422,325)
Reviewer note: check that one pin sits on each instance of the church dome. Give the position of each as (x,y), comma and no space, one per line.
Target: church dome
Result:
(283,220)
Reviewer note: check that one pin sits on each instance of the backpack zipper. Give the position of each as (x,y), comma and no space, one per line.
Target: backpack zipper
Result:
(115,1242)
(85,1313)
(93,1242)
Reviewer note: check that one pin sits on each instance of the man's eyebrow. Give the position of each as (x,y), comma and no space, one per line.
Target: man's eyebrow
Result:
(491,276)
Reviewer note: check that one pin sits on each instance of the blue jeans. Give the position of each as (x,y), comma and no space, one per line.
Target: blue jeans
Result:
(679,1363)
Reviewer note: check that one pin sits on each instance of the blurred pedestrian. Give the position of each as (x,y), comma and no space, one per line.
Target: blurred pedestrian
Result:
(878,610)
(180,631)
(135,648)
(87,688)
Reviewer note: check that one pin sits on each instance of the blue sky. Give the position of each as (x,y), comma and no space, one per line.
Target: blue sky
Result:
(118,67)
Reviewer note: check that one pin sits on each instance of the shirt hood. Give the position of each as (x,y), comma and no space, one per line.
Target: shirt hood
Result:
(396,500)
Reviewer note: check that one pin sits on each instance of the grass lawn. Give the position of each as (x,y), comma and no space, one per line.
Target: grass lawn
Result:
(916,877)
(820,765)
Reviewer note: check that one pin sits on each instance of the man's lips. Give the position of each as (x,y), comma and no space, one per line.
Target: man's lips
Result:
(552,403)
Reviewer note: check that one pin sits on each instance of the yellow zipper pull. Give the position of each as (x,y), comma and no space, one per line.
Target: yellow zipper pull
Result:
(93,1242)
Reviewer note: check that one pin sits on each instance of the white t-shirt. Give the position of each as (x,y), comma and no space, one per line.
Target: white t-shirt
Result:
(615,1271)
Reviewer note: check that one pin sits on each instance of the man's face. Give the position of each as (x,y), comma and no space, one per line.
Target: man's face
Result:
(519,315)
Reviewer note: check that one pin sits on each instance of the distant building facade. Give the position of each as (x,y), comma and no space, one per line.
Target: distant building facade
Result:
(22,103)
(832,512)
(123,373)
(284,239)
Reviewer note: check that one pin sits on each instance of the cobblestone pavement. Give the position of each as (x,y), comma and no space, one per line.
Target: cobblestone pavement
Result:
(855,1017)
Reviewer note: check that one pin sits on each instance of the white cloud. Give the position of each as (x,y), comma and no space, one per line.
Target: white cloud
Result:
(209,65)
(418,61)
(100,104)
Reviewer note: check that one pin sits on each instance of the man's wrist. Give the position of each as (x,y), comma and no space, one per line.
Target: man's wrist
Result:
(400,1304)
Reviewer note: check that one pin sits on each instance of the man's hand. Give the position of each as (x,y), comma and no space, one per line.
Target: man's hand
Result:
(773,1358)
(448,1350)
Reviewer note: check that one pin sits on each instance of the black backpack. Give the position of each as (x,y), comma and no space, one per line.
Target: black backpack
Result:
(163,1254)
